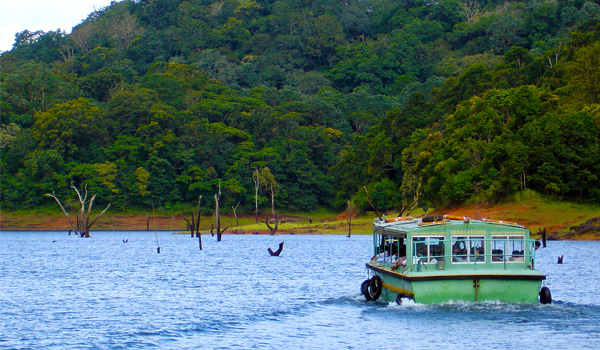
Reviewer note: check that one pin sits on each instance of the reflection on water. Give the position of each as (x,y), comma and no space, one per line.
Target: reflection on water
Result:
(65,292)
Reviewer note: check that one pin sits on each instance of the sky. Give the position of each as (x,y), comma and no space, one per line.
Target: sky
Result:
(46,15)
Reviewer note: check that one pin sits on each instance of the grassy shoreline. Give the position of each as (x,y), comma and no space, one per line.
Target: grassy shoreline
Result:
(532,211)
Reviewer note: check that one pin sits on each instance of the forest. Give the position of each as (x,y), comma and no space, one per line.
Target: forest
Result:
(378,104)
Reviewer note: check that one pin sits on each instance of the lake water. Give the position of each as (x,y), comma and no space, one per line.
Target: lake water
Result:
(64,292)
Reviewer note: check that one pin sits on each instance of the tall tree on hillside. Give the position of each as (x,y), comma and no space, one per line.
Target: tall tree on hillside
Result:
(270,185)
(585,72)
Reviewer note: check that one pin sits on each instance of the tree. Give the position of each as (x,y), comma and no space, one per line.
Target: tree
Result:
(256,188)
(194,225)
(31,88)
(234,209)
(268,183)
(585,72)
(76,129)
(83,224)
(217,215)
(350,209)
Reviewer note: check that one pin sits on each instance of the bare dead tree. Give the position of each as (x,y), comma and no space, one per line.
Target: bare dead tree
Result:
(371,203)
(68,54)
(256,188)
(272,229)
(470,9)
(235,214)
(194,225)
(410,207)
(124,29)
(83,36)
(350,211)
(217,217)
(83,224)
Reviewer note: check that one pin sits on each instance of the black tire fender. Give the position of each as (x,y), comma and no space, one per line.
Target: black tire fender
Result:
(545,295)
(376,287)
(364,288)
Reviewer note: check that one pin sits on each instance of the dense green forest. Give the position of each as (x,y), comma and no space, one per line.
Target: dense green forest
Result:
(155,102)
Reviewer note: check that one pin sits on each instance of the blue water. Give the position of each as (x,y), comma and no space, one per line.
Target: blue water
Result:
(63,292)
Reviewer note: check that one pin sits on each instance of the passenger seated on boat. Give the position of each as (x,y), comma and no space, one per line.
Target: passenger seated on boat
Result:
(460,257)
(517,255)
(497,255)
(458,254)
(399,262)
(477,254)
(394,249)
(381,256)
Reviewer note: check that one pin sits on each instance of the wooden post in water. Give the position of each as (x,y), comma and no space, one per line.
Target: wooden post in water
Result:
(349,219)
(544,238)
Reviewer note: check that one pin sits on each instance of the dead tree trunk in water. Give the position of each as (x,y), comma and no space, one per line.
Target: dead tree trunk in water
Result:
(194,225)
(83,224)
(217,217)
(543,233)
(278,251)
(350,210)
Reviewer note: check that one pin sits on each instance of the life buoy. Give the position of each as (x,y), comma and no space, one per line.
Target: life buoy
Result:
(375,287)
(364,288)
(454,217)
(545,296)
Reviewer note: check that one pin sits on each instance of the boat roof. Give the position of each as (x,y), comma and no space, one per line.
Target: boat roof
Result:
(401,226)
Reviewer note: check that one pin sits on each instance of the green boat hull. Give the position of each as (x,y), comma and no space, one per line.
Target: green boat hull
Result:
(441,291)
(440,287)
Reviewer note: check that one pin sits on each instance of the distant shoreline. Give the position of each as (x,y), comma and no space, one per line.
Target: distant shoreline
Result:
(176,224)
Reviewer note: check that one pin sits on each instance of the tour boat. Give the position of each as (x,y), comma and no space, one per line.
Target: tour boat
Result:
(443,258)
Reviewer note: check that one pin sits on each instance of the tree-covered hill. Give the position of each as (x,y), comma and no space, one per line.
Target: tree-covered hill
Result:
(154,103)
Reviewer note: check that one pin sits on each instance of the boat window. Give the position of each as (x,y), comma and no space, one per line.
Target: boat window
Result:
(429,249)
(389,248)
(508,248)
(468,249)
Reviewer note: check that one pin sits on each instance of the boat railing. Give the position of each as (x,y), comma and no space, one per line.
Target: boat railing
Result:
(505,252)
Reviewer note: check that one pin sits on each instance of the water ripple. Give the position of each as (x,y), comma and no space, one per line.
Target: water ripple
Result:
(100,293)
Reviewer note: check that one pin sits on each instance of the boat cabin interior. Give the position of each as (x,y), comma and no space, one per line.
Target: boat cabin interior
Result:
(451,244)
